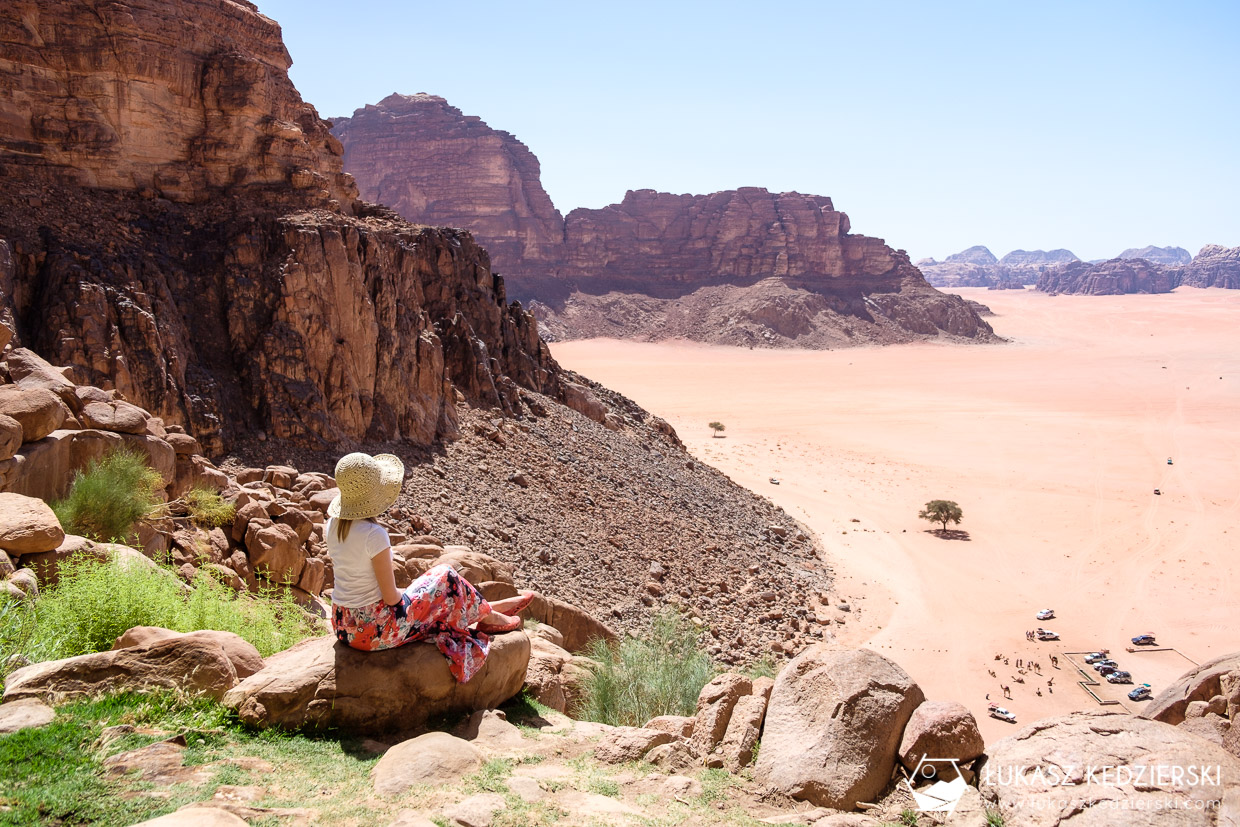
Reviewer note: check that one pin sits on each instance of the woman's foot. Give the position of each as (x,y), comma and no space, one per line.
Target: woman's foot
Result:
(512,605)
(496,623)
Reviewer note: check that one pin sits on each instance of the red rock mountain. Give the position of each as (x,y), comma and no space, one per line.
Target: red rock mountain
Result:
(1109,278)
(175,223)
(434,164)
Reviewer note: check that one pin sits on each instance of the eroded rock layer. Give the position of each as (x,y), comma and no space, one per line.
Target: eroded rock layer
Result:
(175,224)
(434,164)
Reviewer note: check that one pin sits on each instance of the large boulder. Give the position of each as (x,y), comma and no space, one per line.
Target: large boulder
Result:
(1199,684)
(940,729)
(434,759)
(275,552)
(322,684)
(10,436)
(28,525)
(38,410)
(194,665)
(122,417)
(833,726)
(239,651)
(1095,768)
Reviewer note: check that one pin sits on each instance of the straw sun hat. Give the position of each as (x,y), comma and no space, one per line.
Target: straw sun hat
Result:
(368,485)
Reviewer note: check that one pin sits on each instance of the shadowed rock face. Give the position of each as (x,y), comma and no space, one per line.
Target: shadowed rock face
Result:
(435,165)
(174,223)
(1108,278)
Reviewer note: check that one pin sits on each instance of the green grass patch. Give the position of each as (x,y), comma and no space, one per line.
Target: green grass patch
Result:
(94,603)
(642,678)
(55,774)
(109,496)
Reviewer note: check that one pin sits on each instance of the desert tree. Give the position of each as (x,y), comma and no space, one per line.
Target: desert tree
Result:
(942,511)
(718,428)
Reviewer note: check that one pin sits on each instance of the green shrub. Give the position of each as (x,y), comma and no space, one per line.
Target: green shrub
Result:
(207,508)
(94,603)
(110,496)
(641,678)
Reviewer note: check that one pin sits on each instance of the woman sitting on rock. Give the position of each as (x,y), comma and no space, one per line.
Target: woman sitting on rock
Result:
(368,611)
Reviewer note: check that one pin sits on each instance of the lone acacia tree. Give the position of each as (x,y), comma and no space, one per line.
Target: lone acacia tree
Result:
(718,428)
(942,511)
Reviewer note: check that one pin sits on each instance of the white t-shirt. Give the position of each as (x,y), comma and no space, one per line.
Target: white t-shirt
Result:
(355,585)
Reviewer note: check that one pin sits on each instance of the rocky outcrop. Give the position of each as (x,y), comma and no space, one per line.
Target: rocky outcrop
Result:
(1109,278)
(1200,684)
(434,164)
(423,158)
(1214,266)
(833,726)
(1166,256)
(1096,768)
(179,229)
(323,684)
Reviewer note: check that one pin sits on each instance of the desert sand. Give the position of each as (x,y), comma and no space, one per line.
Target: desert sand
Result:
(1052,444)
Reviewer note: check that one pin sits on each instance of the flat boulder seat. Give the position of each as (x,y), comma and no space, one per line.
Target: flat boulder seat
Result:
(323,684)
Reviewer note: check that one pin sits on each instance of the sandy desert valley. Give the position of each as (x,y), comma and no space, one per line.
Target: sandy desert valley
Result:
(1052,443)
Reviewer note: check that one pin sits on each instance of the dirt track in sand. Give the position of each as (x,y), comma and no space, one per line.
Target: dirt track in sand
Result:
(1052,444)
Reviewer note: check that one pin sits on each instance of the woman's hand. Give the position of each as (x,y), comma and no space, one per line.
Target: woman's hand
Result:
(382,564)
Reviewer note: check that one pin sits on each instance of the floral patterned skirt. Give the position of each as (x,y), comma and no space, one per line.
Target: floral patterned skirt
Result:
(438,606)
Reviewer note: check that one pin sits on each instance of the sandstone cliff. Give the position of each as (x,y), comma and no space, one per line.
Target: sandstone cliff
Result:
(468,175)
(1214,266)
(180,229)
(434,164)
(1108,278)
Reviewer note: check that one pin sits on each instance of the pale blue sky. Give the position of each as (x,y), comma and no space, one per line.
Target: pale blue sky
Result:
(935,125)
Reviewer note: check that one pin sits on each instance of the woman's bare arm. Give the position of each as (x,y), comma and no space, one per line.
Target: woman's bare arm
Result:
(382,563)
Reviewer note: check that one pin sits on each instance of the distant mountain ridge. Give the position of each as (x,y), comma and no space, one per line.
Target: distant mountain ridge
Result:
(1214,266)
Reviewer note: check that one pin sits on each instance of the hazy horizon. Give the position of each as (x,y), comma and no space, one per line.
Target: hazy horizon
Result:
(1091,128)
